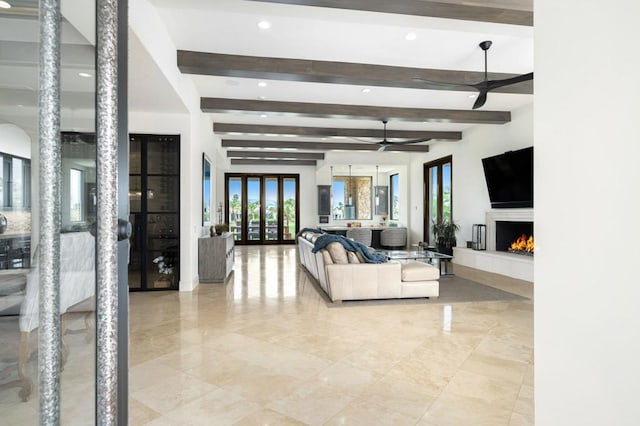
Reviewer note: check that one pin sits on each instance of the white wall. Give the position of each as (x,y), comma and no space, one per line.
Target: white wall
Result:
(587,103)
(470,195)
(364,165)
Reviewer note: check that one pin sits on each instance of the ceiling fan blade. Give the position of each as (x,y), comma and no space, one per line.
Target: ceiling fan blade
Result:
(494,84)
(482,98)
(362,140)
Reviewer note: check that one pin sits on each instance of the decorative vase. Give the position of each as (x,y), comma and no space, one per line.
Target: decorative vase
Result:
(3,223)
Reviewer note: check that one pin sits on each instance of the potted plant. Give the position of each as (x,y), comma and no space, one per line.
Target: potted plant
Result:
(444,233)
(221,228)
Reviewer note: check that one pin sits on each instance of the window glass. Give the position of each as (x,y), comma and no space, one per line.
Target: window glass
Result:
(75,196)
(352,197)
(395,197)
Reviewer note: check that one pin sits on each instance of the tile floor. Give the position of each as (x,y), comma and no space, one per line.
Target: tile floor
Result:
(265,349)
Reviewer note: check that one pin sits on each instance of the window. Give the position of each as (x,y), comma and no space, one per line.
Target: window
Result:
(76,183)
(352,197)
(15,182)
(438,184)
(394,185)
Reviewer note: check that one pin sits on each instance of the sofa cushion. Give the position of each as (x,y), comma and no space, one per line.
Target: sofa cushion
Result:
(419,271)
(326,257)
(338,253)
(353,257)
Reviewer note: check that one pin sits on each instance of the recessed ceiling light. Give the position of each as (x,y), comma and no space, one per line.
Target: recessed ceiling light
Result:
(5,5)
(264,25)
(84,74)
(20,105)
(262,84)
(366,90)
(410,36)
(263,115)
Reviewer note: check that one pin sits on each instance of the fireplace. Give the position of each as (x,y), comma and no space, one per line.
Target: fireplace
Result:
(509,231)
(507,224)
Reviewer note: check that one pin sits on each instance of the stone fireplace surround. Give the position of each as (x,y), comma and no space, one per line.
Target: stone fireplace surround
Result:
(507,215)
(499,262)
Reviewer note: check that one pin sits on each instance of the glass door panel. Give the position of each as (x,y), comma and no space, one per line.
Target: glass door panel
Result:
(234,207)
(162,194)
(253,208)
(446,192)
(290,201)
(154,197)
(433,200)
(271,208)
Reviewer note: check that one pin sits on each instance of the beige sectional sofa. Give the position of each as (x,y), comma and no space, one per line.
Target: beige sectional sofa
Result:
(343,276)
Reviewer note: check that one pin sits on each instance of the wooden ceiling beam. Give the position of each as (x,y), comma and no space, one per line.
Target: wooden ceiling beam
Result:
(276,154)
(313,71)
(259,162)
(320,146)
(362,112)
(434,9)
(328,132)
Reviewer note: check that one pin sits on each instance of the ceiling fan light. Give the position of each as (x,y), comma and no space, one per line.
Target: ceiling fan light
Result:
(5,5)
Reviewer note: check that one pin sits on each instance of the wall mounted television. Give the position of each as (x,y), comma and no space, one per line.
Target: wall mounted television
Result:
(509,179)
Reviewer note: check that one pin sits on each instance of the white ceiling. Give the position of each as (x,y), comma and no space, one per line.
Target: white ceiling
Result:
(300,32)
(303,32)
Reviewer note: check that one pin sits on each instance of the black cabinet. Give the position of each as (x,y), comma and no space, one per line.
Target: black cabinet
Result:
(324,200)
(154,198)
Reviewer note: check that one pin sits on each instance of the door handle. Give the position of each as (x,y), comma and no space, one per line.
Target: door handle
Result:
(124,229)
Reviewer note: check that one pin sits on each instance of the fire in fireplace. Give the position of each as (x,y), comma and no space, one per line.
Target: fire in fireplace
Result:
(513,236)
(523,245)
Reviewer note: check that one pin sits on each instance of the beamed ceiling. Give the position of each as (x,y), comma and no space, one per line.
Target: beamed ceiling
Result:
(326,73)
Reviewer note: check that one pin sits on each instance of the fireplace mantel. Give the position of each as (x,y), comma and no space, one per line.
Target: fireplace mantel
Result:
(509,215)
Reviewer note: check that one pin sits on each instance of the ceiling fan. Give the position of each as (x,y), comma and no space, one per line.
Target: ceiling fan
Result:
(486,85)
(384,143)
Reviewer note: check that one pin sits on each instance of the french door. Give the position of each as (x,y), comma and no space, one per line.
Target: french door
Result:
(438,195)
(65,303)
(262,208)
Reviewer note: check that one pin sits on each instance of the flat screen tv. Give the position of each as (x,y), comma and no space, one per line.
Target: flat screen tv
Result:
(509,179)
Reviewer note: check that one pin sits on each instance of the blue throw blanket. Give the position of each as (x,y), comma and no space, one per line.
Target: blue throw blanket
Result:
(349,245)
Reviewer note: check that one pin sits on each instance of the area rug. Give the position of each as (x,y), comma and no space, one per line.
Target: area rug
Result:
(453,289)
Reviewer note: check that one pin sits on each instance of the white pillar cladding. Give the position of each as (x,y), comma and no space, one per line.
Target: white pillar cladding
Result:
(49,229)
(107,212)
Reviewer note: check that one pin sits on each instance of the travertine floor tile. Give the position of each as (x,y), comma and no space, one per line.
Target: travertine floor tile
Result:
(264,348)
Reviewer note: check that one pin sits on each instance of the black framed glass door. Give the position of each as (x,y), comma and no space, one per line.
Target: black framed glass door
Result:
(261,208)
